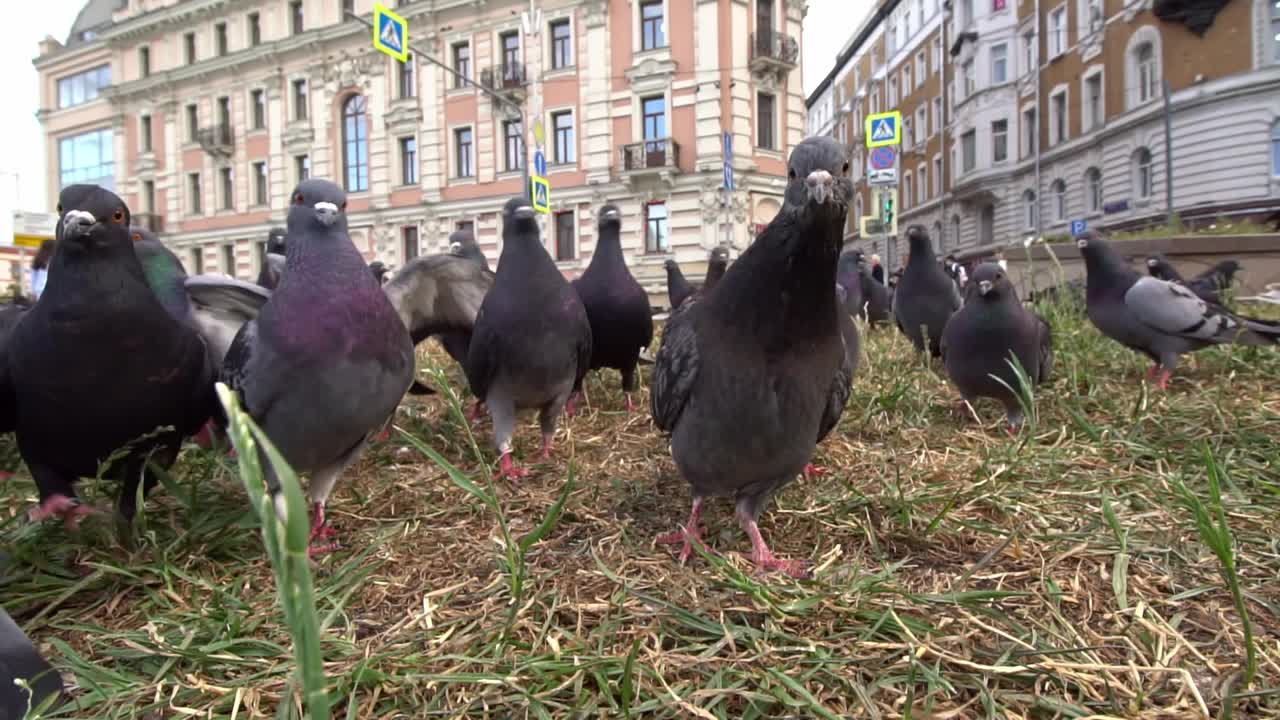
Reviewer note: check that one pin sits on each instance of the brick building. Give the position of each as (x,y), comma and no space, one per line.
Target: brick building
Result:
(203,114)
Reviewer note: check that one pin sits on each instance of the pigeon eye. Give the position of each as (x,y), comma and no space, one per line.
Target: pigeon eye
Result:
(59,208)
(344,206)
(298,199)
(791,173)
(117,216)
(845,171)
(136,237)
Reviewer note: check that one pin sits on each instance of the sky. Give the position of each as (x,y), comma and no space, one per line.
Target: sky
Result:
(827,26)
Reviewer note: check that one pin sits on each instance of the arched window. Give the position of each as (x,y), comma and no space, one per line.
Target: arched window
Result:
(1142,67)
(355,143)
(1029,208)
(1142,173)
(942,241)
(1059,189)
(1093,190)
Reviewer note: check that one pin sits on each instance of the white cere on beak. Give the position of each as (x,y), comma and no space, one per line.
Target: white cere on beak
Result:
(819,183)
(984,287)
(323,205)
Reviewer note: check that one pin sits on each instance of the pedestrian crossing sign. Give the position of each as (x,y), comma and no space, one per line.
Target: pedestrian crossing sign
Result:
(884,129)
(541,194)
(390,33)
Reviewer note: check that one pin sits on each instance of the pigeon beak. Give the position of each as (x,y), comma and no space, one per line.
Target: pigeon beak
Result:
(984,287)
(1082,243)
(326,212)
(455,248)
(1151,262)
(77,222)
(524,212)
(611,214)
(820,184)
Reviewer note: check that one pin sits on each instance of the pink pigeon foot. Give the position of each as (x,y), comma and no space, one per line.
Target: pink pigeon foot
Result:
(631,406)
(473,415)
(507,468)
(320,530)
(571,406)
(1162,380)
(766,560)
(547,446)
(71,510)
(688,535)
(811,471)
(204,438)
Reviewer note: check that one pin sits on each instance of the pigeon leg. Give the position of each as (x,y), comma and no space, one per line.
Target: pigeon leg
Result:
(473,415)
(571,405)
(69,508)
(547,418)
(629,385)
(1151,371)
(547,445)
(811,471)
(322,482)
(688,535)
(631,406)
(1162,380)
(136,471)
(507,468)
(502,410)
(761,555)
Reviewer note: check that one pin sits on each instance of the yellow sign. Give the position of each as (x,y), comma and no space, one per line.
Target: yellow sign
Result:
(539,133)
(30,241)
(884,129)
(390,33)
(541,193)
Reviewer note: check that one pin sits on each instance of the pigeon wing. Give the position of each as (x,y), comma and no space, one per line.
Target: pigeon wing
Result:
(438,293)
(675,369)
(1173,309)
(220,306)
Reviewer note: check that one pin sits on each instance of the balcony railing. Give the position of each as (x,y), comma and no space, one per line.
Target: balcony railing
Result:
(773,47)
(507,76)
(217,140)
(662,154)
(149,221)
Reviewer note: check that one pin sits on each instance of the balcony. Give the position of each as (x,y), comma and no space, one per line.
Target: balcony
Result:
(773,53)
(509,79)
(149,221)
(650,159)
(218,141)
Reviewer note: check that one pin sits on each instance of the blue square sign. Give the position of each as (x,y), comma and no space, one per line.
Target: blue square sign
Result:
(1078,227)
(390,33)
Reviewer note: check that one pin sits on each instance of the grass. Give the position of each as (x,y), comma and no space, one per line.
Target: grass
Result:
(1119,558)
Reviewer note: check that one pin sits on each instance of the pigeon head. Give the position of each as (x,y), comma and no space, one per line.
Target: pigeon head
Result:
(719,255)
(609,215)
(518,214)
(379,270)
(318,205)
(990,282)
(462,243)
(920,244)
(275,240)
(817,172)
(670,265)
(92,217)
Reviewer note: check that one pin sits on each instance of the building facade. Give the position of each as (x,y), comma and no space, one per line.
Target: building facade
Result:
(1053,112)
(203,114)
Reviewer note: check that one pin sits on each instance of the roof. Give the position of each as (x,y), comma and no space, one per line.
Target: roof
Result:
(95,15)
(860,38)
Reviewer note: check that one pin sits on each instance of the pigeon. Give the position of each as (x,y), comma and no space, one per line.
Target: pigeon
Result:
(717,263)
(1158,318)
(866,297)
(531,344)
(98,369)
(747,376)
(328,358)
(273,263)
(19,660)
(617,307)
(979,338)
(379,270)
(1208,285)
(678,288)
(462,243)
(843,384)
(926,296)
(1220,276)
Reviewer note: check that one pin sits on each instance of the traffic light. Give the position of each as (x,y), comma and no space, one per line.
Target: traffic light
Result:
(885,200)
(887,214)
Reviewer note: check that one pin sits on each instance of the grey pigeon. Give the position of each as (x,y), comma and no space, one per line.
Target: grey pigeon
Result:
(531,344)
(274,259)
(980,338)
(379,270)
(865,296)
(679,289)
(98,369)
(617,307)
(19,660)
(1208,285)
(328,359)
(926,296)
(717,264)
(748,376)
(1158,318)
(462,243)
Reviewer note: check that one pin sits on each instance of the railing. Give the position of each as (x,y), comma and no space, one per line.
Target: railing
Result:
(650,155)
(775,46)
(149,221)
(507,76)
(217,140)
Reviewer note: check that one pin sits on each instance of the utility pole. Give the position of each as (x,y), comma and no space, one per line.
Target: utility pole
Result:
(1039,111)
(1168,154)
(493,94)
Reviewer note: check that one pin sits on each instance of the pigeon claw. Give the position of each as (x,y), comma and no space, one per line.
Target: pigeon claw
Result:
(811,471)
(686,537)
(1162,380)
(70,509)
(473,415)
(507,468)
(631,405)
(764,558)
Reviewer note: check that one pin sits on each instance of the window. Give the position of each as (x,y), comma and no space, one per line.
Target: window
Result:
(224,115)
(408,161)
(84,86)
(228,188)
(561,45)
(467,226)
(969,150)
(408,243)
(197,260)
(193,122)
(1058,117)
(893,90)
(1142,173)
(258,100)
(355,145)
(300,99)
(229,260)
(562,132)
(1030,131)
(463,148)
(1275,30)
(765,122)
(295,17)
(967,79)
(302,167)
(260,183)
(907,135)
(1059,190)
(189,48)
(999,141)
(1093,190)
(1275,149)
(937,114)
(937,54)
(999,64)
(1028,51)
(654,114)
(921,127)
(655,227)
(921,69)
(891,40)
(955,231)
(1029,208)
(148,196)
(1057,32)
(937,175)
(1091,116)
(564,235)
(906,80)
(510,43)
(144,62)
(922,184)
(220,38)
(1147,75)
(255,29)
(193,193)
(461,63)
(653,32)
(513,145)
(408,84)
(87,158)
(1093,16)
(144,131)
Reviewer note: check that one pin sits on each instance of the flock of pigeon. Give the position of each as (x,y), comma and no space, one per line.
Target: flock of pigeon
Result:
(117,360)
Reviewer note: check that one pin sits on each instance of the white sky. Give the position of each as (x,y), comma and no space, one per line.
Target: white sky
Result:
(827,26)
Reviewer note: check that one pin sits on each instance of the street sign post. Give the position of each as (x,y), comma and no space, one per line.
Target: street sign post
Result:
(728,160)
(541,194)
(31,229)
(1078,227)
(539,163)
(390,33)
(883,158)
(884,129)
(886,176)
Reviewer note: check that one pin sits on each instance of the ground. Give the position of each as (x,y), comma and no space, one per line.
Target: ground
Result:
(960,573)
